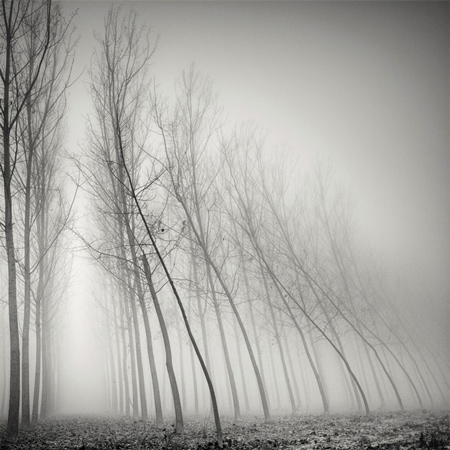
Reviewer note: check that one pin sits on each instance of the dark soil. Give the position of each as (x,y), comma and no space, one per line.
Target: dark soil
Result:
(399,431)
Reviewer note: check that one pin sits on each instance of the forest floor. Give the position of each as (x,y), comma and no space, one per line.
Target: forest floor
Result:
(397,431)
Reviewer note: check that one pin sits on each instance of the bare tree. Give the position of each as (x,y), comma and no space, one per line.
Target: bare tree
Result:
(118,82)
(21,68)
(249,198)
(40,129)
(134,192)
(187,137)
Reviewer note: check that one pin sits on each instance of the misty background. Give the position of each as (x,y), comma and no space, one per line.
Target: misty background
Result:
(360,88)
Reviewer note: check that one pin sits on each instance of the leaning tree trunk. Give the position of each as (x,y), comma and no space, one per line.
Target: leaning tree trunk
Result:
(181,363)
(291,368)
(353,392)
(188,328)
(175,292)
(253,322)
(148,332)
(201,242)
(279,286)
(278,341)
(200,309)
(236,407)
(168,350)
(154,374)
(137,342)
(313,285)
(241,365)
(194,376)
(276,283)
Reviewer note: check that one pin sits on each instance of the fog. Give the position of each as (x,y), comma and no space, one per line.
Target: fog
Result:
(349,304)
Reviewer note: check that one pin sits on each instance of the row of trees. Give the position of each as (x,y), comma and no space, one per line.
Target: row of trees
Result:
(36,57)
(186,209)
(205,240)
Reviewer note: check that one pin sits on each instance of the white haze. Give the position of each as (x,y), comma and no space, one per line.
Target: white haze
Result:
(363,85)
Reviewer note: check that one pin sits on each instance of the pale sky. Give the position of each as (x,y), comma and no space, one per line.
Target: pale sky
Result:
(362,84)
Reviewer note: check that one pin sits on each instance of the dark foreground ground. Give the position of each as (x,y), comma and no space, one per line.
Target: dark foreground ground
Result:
(398,431)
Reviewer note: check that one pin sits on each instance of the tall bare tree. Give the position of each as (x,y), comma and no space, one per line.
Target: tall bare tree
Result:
(40,128)
(187,138)
(118,81)
(21,68)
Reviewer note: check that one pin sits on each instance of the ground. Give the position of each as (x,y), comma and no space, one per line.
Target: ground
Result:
(397,431)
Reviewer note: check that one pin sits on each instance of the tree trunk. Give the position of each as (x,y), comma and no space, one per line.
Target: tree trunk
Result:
(311,283)
(246,340)
(124,352)
(191,336)
(112,365)
(181,363)
(201,311)
(229,297)
(353,393)
(132,348)
(335,347)
(241,366)
(317,375)
(30,144)
(52,373)
(179,418)
(194,380)
(278,341)
(45,396)
(273,366)
(37,376)
(141,299)
(252,320)
(4,377)
(137,342)
(154,374)
(191,353)
(231,379)
(256,338)
(14,342)
(120,408)
(168,350)
(290,364)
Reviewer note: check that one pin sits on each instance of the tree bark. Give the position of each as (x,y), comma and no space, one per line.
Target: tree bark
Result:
(38,368)
(12,429)
(241,366)
(134,387)
(278,341)
(226,354)
(179,425)
(137,342)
